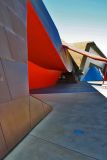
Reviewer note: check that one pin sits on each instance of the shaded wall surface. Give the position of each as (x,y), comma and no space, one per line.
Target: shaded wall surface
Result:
(19,112)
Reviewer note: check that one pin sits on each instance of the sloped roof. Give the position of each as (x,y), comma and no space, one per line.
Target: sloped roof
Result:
(83,46)
(95,47)
(77,57)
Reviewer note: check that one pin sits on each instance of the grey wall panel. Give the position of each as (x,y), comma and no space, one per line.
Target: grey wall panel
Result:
(18,25)
(36,111)
(20,10)
(1,18)
(23,2)
(4,47)
(6,19)
(18,7)
(12,17)
(14,91)
(15,120)
(17,46)
(3,148)
(47,108)
(4,92)
(17,77)
(9,3)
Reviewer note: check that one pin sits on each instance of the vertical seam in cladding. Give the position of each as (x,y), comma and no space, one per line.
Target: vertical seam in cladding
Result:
(43,107)
(6,80)
(12,10)
(8,43)
(1,19)
(30,113)
(3,136)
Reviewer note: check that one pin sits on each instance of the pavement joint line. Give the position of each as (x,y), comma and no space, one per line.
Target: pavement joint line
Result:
(66,92)
(48,141)
(84,125)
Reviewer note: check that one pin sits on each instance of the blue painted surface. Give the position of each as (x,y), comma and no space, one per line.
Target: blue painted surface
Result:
(78,132)
(47,23)
(93,74)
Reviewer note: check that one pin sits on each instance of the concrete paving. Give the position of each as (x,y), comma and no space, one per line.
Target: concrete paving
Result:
(65,88)
(76,129)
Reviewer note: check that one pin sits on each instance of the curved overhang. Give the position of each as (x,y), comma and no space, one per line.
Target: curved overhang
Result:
(40,77)
(44,44)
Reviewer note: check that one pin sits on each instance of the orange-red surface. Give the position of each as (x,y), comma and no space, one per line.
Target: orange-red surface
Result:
(45,65)
(40,77)
(41,50)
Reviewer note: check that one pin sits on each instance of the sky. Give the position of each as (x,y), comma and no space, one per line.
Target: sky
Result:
(80,20)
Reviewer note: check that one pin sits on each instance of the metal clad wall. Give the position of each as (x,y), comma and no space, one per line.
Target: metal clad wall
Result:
(4,91)
(38,110)
(4,48)
(4,12)
(18,52)
(18,112)
(15,121)
(18,85)
(3,148)
(14,90)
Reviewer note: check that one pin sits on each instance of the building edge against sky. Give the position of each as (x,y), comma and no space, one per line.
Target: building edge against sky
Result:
(85,21)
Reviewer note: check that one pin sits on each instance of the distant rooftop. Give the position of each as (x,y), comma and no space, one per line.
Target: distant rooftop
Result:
(86,45)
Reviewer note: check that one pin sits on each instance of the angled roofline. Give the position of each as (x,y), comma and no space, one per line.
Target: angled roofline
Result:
(95,47)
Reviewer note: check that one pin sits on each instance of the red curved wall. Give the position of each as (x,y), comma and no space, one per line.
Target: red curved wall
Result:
(45,65)
(40,77)
(41,50)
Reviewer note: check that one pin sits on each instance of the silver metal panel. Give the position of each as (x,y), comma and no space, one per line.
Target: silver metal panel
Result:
(3,148)
(4,11)
(15,120)
(36,111)
(20,10)
(18,25)
(9,3)
(47,108)
(17,46)
(4,92)
(18,7)
(17,77)
(4,47)
(23,2)
(1,18)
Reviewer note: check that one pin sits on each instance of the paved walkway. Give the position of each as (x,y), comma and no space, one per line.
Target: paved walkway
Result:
(76,129)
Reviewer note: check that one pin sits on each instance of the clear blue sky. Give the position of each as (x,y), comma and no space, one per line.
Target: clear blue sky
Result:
(80,20)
